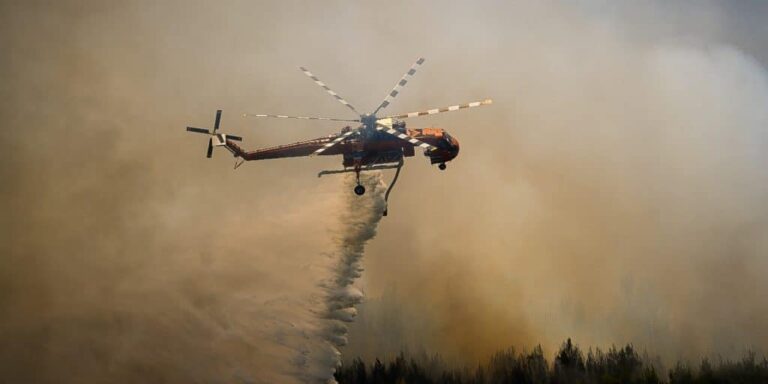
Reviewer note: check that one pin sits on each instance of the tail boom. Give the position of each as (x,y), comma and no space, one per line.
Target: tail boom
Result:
(304,148)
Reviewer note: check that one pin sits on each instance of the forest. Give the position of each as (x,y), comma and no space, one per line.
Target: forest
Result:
(569,365)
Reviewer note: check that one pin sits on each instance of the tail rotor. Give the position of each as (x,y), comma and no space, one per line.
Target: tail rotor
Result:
(221,139)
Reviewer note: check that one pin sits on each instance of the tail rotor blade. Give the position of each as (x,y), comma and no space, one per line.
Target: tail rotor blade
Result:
(198,130)
(400,84)
(221,139)
(218,120)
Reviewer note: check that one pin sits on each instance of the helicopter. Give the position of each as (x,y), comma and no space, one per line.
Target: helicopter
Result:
(375,143)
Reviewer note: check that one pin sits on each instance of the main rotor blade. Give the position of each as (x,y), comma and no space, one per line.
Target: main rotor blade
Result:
(209,153)
(330,92)
(400,84)
(298,117)
(440,110)
(218,120)
(403,136)
(233,138)
(198,130)
(335,141)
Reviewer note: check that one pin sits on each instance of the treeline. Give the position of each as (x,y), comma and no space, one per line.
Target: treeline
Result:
(570,365)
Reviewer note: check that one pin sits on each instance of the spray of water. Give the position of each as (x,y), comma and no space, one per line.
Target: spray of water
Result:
(359,218)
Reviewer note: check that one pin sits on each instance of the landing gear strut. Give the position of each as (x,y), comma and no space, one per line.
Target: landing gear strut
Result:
(442,166)
(359,189)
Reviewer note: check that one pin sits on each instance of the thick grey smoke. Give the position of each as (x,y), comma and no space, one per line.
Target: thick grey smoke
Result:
(614,192)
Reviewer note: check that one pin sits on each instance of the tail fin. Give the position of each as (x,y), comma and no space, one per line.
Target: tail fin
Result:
(227,141)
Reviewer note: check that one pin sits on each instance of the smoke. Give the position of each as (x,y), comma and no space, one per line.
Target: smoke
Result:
(614,192)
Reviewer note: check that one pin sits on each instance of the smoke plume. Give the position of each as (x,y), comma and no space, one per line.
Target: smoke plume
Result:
(614,192)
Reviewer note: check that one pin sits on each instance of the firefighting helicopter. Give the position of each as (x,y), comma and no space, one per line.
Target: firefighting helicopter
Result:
(377,143)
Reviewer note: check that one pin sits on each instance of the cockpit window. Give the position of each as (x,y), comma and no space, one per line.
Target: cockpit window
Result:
(446,142)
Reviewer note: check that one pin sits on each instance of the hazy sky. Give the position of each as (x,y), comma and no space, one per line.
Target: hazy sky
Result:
(614,192)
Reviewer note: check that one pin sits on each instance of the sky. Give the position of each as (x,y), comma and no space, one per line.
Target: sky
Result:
(613,193)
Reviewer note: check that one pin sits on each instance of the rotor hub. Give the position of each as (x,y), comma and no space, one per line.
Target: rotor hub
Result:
(369,121)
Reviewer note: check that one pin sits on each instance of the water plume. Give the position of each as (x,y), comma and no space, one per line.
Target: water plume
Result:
(359,219)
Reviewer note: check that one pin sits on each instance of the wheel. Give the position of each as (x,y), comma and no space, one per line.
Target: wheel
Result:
(359,190)
(442,166)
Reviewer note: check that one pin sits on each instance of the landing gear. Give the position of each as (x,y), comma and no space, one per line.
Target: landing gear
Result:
(442,166)
(359,189)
